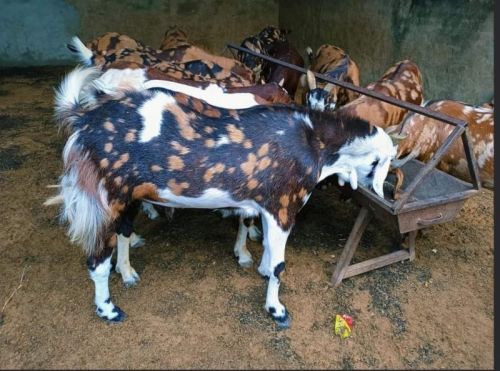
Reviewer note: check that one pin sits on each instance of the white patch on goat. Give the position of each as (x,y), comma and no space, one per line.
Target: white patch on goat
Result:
(115,81)
(280,132)
(129,275)
(304,118)
(212,198)
(136,241)
(240,247)
(100,276)
(358,157)
(484,118)
(152,113)
(274,242)
(486,151)
(316,104)
(223,139)
(212,94)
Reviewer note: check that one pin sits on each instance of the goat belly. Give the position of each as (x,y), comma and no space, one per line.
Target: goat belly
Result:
(148,145)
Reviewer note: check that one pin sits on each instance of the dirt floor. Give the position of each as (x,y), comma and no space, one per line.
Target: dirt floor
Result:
(196,308)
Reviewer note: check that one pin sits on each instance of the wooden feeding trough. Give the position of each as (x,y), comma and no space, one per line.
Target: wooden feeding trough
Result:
(427,197)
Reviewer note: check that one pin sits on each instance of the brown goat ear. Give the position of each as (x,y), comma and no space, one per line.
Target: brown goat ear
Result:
(311,80)
(328,87)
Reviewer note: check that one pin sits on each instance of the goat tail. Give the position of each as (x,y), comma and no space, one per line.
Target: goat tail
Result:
(310,54)
(75,91)
(84,199)
(83,53)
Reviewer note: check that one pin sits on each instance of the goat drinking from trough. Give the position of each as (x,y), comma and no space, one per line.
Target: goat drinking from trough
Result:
(264,161)
(337,64)
(424,135)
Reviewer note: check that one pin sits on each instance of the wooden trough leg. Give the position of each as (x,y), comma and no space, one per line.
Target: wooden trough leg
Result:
(351,245)
(411,244)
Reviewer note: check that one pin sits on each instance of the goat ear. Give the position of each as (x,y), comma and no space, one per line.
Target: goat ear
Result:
(311,80)
(328,87)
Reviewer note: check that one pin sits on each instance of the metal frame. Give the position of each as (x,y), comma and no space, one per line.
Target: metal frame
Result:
(446,207)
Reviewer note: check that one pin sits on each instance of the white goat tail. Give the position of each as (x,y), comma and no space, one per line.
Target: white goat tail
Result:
(83,195)
(83,53)
(69,99)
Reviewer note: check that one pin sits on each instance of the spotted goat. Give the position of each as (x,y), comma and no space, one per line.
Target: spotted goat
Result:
(335,63)
(154,145)
(113,50)
(402,81)
(423,136)
(272,41)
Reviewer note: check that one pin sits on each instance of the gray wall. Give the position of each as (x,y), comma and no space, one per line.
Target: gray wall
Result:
(450,40)
(34,32)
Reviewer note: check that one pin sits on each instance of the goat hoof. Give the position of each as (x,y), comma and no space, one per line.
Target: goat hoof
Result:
(245,263)
(117,315)
(131,282)
(120,315)
(283,322)
(264,273)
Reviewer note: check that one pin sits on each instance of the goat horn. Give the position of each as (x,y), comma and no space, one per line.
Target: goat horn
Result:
(397,163)
(311,80)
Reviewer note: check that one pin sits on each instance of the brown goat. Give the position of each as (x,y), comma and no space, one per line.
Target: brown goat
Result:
(425,135)
(402,81)
(336,63)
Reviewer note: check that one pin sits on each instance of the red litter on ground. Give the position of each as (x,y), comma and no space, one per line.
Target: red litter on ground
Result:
(343,325)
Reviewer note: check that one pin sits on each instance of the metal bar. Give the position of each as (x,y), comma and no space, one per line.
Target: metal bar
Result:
(409,106)
(428,167)
(471,160)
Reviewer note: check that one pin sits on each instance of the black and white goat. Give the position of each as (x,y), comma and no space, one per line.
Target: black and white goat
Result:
(155,145)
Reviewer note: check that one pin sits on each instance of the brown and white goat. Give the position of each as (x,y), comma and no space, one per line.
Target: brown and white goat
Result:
(173,38)
(334,62)
(153,145)
(272,41)
(402,81)
(424,136)
(112,48)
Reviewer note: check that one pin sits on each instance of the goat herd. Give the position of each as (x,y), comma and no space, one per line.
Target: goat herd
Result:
(179,127)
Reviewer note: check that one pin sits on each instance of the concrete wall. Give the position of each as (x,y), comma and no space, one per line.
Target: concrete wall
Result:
(34,32)
(450,40)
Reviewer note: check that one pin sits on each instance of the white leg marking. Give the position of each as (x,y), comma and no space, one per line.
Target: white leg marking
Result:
(149,210)
(129,275)
(105,308)
(240,247)
(274,241)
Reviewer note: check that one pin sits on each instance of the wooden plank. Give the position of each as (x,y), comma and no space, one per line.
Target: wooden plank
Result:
(351,245)
(375,263)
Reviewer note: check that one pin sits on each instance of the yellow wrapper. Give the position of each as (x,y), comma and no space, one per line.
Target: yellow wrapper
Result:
(342,328)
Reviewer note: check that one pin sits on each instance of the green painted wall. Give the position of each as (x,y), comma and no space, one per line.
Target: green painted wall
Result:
(450,40)
(35,32)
